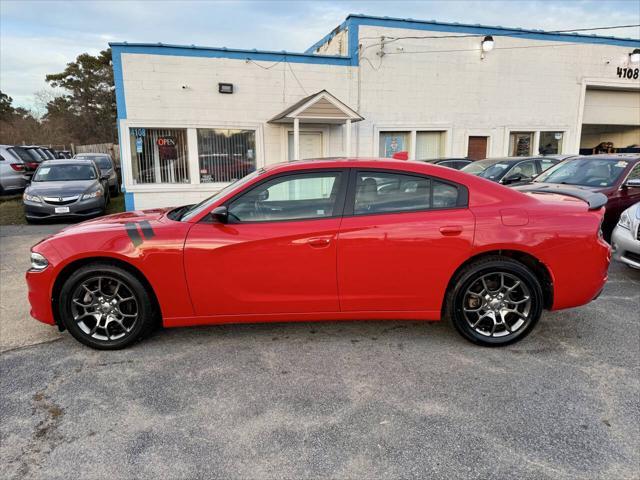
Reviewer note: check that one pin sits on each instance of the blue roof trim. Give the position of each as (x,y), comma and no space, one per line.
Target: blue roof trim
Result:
(326,38)
(432,25)
(214,52)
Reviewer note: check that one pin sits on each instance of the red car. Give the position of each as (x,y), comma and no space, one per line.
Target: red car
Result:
(328,240)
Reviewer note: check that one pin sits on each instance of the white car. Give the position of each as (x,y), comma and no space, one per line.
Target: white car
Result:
(625,239)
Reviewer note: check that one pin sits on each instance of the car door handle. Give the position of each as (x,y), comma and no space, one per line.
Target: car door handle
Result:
(451,230)
(319,242)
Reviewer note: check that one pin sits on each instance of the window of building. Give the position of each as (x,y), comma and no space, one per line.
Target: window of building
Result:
(380,192)
(429,145)
(394,142)
(225,155)
(159,155)
(520,144)
(290,197)
(550,143)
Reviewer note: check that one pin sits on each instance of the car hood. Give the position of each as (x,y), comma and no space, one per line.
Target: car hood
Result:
(118,219)
(106,171)
(61,189)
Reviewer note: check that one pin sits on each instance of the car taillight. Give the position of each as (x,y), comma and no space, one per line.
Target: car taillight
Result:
(31,165)
(18,167)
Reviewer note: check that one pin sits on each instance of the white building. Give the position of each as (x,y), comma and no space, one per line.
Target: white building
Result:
(191,119)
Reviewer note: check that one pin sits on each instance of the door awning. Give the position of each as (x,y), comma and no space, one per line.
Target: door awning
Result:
(321,107)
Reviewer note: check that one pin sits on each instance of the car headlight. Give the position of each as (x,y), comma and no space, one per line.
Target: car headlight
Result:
(38,262)
(625,221)
(97,193)
(31,198)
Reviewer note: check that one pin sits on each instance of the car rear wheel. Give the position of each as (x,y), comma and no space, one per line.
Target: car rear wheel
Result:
(105,307)
(496,301)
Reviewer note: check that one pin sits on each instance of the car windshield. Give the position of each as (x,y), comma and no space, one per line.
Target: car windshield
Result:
(63,173)
(102,161)
(203,205)
(490,169)
(585,171)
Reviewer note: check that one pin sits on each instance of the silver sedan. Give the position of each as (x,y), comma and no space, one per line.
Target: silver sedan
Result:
(625,239)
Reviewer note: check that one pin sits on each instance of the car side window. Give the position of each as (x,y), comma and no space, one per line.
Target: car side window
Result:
(385,192)
(634,174)
(526,169)
(290,197)
(545,164)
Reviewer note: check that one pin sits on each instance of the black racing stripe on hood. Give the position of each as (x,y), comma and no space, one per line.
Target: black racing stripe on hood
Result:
(134,234)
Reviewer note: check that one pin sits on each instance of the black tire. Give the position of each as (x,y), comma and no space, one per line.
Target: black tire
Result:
(140,328)
(494,267)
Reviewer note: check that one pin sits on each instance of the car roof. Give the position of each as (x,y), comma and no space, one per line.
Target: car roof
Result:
(87,154)
(444,159)
(68,161)
(608,156)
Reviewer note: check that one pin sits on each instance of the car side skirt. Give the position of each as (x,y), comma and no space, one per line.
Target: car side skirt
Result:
(300,317)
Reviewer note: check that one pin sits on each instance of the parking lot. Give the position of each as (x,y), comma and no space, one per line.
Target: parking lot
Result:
(340,400)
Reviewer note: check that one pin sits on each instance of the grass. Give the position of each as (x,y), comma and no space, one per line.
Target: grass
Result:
(11,212)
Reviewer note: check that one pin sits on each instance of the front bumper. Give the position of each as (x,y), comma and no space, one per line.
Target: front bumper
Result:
(78,209)
(626,248)
(39,285)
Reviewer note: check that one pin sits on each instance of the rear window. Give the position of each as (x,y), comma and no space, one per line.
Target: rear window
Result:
(21,153)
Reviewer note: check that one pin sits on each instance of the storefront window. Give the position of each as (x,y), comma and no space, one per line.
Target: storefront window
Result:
(429,145)
(225,155)
(550,143)
(393,142)
(520,144)
(159,155)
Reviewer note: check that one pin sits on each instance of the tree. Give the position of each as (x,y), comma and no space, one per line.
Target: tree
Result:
(6,107)
(89,109)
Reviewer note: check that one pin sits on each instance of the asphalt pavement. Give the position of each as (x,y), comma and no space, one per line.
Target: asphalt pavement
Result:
(317,400)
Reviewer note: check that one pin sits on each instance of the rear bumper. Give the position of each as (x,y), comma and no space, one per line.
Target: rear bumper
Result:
(580,273)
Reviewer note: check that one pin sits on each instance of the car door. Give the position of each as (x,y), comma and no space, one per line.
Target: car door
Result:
(402,237)
(276,254)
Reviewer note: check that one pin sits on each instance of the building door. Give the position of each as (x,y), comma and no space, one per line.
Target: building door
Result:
(477,148)
(310,145)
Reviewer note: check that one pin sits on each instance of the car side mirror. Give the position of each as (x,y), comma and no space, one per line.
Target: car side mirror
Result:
(220,214)
(516,177)
(632,183)
(104,178)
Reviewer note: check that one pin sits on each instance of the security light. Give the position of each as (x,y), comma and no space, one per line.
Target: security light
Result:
(487,43)
(634,57)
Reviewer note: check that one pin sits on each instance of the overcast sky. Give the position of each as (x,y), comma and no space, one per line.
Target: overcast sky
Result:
(40,37)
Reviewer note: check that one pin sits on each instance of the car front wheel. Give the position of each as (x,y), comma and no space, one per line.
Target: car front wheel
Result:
(496,301)
(105,307)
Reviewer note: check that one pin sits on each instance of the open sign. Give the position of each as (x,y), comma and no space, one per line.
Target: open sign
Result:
(166,142)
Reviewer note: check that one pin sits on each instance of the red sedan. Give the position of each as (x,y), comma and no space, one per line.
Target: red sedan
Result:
(328,240)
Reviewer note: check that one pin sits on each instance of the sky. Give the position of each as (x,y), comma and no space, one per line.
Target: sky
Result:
(38,37)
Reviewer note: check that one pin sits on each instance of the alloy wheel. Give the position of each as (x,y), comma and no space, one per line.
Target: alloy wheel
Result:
(104,308)
(497,304)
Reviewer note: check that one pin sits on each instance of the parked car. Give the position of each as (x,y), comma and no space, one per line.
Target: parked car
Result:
(50,154)
(105,164)
(37,157)
(457,163)
(615,175)
(11,171)
(440,243)
(66,189)
(511,170)
(63,154)
(625,239)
